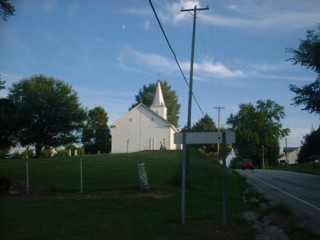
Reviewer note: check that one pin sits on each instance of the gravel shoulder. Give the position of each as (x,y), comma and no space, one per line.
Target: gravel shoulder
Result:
(308,216)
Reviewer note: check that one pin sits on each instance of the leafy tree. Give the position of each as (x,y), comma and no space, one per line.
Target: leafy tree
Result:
(308,95)
(2,84)
(205,124)
(6,125)
(308,55)
(310,147)
(6,9)
(258,127)
(96,133)
(47,112)
(145,96)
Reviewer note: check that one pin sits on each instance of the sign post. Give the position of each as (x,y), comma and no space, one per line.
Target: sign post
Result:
(186,138)
(183,180)
(224,188)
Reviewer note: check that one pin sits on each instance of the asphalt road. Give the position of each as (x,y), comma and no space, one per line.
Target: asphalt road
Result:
(300,191)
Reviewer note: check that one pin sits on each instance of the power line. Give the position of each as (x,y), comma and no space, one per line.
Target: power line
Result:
(175,57)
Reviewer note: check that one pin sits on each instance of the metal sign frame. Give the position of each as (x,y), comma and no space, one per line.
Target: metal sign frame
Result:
(186,138)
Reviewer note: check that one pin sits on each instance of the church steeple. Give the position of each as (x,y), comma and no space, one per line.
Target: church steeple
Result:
(158,105)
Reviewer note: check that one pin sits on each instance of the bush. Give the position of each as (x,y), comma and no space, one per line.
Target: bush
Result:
(235,163)
(4,152)
(62,153)
(27,153)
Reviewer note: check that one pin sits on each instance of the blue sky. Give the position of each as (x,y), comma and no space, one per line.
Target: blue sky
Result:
(107,50)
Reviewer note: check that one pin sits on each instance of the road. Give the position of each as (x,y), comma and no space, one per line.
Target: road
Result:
(300,191)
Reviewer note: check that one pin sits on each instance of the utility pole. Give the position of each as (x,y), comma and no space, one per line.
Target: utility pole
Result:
(219,109)
(194,10)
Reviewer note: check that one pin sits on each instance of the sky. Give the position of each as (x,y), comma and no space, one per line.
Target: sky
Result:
(107,51)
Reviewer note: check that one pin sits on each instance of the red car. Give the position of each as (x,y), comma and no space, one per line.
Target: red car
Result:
(247,164)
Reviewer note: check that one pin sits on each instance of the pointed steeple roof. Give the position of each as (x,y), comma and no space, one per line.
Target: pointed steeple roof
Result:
(158,105)
(158,97)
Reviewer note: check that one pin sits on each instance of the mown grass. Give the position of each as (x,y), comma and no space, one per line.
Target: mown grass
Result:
(90,216)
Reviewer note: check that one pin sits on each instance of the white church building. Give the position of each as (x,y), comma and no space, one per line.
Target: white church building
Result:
(144,128)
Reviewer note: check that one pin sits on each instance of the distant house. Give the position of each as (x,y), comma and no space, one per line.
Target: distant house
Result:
(291,156)
(144,128)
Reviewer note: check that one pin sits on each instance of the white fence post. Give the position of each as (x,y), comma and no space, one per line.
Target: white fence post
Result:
(81,180)
(27,177)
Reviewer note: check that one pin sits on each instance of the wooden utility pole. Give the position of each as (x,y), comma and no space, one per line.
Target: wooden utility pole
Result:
(194,10)
(218,147)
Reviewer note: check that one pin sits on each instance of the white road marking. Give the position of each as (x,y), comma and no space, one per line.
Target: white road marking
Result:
(288,194)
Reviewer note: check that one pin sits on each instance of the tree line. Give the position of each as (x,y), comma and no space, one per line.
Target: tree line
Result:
(44,112)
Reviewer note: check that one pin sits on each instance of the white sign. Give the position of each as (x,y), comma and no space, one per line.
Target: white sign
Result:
(204,137)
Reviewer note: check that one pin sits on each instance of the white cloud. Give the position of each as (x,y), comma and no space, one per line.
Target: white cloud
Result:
(206,69)
(139,11)
(9,78)
(234,7)
(267,67)
(253,14)
(49,5)
(146,25)
(207,65)
(130,59)
(115,103)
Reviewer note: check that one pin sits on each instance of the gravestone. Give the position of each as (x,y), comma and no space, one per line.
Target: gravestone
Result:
(144,184)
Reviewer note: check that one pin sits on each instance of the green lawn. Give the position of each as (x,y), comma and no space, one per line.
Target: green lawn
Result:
(128,216)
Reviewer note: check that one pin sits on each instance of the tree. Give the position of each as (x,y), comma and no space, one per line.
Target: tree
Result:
(2,84)
(47,112)
(6,9)
(308,55)
(308,95)
(205,124)
(258,128)
(145,96)
(310,147)
(6,125)
(96,133)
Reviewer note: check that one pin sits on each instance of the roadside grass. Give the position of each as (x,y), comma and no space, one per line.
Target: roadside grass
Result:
(281,215)
(59,215)
(311,168)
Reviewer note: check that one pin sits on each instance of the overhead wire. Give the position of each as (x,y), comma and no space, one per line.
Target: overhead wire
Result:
(174,55)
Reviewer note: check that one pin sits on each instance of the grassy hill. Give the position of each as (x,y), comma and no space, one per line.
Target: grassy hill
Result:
(113,207)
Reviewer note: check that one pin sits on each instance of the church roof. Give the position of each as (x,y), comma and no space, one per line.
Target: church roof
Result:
(141,105)
(158,97)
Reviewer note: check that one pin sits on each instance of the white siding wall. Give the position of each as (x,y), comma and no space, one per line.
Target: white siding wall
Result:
(139,131)
(292,157)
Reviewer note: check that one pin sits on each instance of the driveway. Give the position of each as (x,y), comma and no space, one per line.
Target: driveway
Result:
(300,191)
